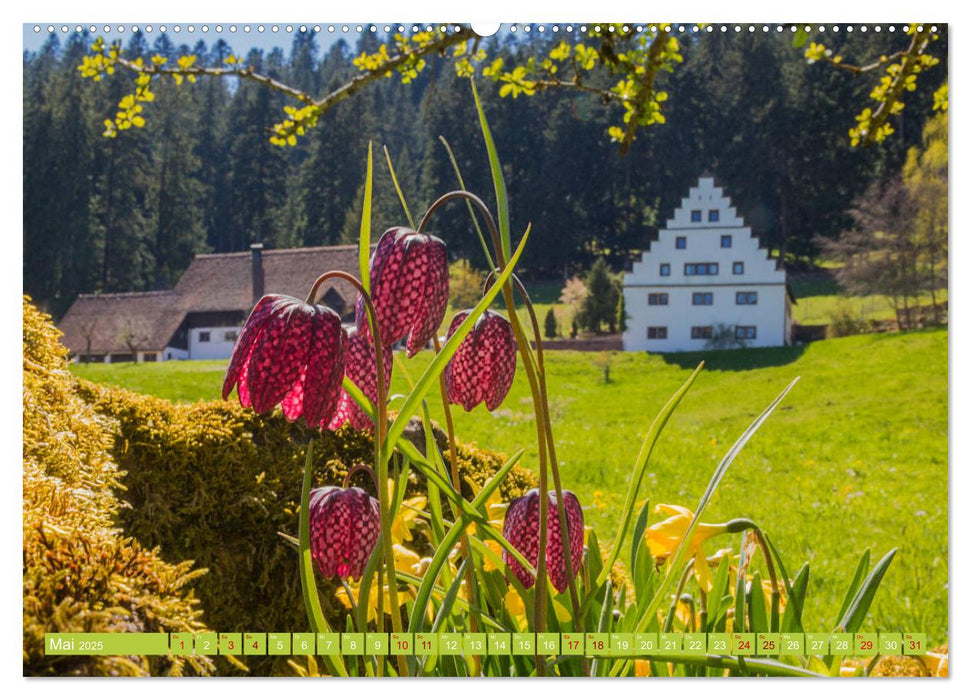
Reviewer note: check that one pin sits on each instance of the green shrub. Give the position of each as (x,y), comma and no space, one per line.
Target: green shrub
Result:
(80,572)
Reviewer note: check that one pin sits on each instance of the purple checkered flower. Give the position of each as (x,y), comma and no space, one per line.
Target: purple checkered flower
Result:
(521,528)
(289,353)
(344,527)
(483,367)
(409,287)
(360,367)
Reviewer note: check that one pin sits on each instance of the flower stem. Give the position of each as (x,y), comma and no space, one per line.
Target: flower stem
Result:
(466,549)
(380,458)
(539,610)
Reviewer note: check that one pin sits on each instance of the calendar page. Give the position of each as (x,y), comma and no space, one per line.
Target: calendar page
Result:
(437,349)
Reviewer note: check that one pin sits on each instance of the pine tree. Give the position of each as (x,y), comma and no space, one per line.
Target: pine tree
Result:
(600,306)
(549,324)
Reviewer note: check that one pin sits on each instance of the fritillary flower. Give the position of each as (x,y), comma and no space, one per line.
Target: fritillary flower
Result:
(289,353)
(360,366)
(521,528)
(344,527)
(409,287)
(484,365)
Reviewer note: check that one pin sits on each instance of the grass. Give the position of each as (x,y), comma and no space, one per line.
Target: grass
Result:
(855,458)
(818,298)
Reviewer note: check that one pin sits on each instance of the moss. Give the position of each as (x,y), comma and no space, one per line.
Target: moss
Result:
(81,573)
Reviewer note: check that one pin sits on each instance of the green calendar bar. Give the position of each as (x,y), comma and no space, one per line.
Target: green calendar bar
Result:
(106,644)
(426,644)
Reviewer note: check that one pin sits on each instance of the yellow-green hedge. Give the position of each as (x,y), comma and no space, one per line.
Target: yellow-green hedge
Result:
(81,573)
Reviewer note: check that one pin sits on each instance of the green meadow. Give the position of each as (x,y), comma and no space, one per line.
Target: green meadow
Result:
(855,458)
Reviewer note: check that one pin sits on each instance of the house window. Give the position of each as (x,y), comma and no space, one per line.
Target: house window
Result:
(696,215)
(203,336)
(701,332)
(231,336)
(746,298)
(680,242)
(701,268)
(657,299)
(713,216)
(150,357)
(702,299)
(726,241)
(744,332)
(738,268)
(665,270)
(657,332)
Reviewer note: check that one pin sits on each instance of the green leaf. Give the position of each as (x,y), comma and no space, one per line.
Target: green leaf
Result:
(397,187)
(639,527)
(502,201)
(364,249)
(851,590)
(716,598)
(757,617)
(800,38)
(792,617)
(856,613)
(308,583)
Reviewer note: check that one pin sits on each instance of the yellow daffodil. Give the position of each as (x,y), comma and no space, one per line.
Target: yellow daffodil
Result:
(936,664)
(406,517)
(404,595)
(663,539)
(642,668)
(516,607)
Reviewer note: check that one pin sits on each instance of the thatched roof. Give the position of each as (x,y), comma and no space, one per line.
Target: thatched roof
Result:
(213,283)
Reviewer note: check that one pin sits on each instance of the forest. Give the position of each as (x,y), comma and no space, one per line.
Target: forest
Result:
(129,213)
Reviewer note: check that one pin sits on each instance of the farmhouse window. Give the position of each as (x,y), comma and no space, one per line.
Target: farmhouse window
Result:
(696,215)
(701,268)
(657,332)
(149,357)
(665,270)
(701,332)
(203,336)
(738,268)
(702,299)
(713,216)
(726,241)
(680,242)
(657,299)
(746,298)
(744,332)
(231,336)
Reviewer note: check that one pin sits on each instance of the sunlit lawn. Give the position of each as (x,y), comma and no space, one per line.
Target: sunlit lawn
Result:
(856,457)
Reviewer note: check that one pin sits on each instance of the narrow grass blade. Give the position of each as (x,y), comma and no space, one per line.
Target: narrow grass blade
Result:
(475,219)
(502,200)
(640,467)
(308,584)
(364,251)
(397,187)
(677,561)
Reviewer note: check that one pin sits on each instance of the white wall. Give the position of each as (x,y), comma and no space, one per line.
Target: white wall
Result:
(218,346)
(174,354)
(703,245)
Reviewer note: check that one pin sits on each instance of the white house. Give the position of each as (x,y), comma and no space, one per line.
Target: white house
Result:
(706,276)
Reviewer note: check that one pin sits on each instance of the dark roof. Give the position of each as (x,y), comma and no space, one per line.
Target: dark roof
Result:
(151,318)
(224,281)
(217,282)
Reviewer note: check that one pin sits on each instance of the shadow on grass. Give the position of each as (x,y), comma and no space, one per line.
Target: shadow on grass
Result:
(735,360)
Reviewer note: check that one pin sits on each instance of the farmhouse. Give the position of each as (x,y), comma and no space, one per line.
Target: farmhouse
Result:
(202,316)
(705,280)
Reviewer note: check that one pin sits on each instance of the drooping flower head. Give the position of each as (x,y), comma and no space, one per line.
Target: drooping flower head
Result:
(344,527)
(409,287)
(361,368)
(289,353)
(521,528)
(484,365)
